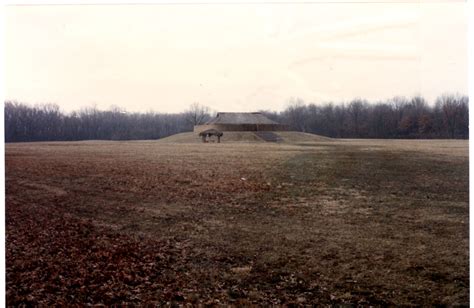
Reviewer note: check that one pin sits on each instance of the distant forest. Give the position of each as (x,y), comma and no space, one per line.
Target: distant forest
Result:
(399,117)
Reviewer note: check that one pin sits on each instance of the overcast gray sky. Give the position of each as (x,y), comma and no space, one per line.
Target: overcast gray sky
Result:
(233,57)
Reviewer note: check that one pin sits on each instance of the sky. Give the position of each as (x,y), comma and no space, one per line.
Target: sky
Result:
(233,57)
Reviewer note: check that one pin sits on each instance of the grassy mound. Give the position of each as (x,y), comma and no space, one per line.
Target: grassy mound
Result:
(291,137)
(287,136)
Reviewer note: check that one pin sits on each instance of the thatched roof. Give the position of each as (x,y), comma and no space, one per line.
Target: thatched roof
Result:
(240,118)
(211,132)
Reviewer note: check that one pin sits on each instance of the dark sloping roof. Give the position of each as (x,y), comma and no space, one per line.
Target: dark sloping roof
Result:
(240,118)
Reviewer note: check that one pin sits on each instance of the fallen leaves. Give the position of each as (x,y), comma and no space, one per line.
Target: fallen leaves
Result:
(137,224)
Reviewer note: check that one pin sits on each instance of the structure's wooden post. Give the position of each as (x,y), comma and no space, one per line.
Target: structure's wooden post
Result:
(218,139)
(204,138)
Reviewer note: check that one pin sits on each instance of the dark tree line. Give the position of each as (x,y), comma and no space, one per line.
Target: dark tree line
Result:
(396,118)
(47,123)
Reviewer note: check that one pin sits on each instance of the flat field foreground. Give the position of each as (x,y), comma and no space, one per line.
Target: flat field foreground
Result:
(379,222)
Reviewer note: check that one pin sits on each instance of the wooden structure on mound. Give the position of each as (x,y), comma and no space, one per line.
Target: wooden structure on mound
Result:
(209,133)
(240,122)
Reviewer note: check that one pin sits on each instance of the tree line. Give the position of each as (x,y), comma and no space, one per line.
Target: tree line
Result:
(46,123)
(399,117)
(395,118)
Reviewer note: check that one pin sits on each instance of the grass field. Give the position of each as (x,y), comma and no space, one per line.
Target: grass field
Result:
(381,222)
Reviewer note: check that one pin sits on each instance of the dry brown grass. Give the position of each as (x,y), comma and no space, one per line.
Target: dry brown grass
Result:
(329,221)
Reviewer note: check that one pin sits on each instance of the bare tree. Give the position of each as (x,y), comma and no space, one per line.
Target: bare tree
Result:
(197,114)
(296,113)
(356,110)
(455,111)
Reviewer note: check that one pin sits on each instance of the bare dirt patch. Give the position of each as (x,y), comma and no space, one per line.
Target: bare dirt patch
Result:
(323,222)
